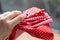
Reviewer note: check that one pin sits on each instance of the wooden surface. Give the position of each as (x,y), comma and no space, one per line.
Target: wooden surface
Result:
(56,36)
(26,36)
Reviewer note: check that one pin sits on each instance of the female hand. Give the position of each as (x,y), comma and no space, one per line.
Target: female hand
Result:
(8,21)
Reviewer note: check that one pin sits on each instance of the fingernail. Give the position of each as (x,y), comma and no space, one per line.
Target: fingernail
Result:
(23,16)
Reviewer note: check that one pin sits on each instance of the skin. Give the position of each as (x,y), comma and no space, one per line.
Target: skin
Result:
(8,21)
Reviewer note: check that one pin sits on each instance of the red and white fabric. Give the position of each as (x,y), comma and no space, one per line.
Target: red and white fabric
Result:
(37,24)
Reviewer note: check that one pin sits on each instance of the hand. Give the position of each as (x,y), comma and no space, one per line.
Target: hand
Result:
(8,21)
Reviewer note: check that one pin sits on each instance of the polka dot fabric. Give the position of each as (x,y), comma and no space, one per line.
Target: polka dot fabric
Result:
(42,31)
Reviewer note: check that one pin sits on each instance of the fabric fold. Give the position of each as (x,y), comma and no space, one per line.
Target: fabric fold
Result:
(43,31)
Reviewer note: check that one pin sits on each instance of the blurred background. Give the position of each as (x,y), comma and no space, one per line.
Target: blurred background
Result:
(51,6)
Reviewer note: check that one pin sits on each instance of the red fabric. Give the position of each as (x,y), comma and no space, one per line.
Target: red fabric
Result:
(42,31)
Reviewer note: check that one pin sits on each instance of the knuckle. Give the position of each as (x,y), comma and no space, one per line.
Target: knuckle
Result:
(8,23)
(17,12)
(2,19)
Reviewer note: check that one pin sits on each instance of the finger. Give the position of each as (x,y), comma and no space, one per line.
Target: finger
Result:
(12,14)
(4,14)
(17,19)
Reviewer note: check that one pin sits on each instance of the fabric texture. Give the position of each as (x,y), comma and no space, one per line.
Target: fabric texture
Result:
(42,30)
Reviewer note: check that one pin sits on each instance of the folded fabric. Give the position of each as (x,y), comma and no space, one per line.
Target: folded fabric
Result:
(36,24)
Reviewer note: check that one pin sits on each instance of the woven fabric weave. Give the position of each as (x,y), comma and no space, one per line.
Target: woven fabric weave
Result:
(43,31)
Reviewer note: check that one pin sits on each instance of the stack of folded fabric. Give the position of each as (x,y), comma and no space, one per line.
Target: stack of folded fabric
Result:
(37,24)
